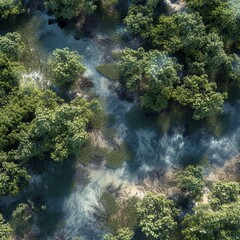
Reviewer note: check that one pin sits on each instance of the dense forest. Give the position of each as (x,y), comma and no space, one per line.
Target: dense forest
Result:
(77,99)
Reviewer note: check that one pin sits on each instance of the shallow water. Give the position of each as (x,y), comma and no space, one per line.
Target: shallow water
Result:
(71,210)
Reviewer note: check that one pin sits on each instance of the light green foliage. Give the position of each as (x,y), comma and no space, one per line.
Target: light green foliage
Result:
(212,225)
(164,34)
(122,234)
(12,176)
(151,74)
(201,95)
(60,131)
(157,217)
(5,229)
(190,181)
(140,17)
(110,70)
(216,56)
(224,193)
(23,213)
(177,31)
(65,66)
(11,45)
(10,7)
(69,9)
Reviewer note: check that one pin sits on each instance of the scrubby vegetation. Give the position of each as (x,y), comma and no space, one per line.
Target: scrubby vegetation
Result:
(173,63)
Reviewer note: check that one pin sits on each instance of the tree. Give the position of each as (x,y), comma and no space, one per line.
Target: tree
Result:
(17,116)
(11,45)
(12,176)
(219,15)
(190,181)
(224,193)
(21,218)
(140,17)
(60,131)
(65,66)
(151,74)
(200,95)
(213,225)
(157,217)
(234,67)
(5,229)
(122,234)
(9,74)
(10,7)
(69,9)
(177,31)
(185,33)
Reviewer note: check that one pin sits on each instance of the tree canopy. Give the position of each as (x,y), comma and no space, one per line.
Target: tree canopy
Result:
(190,181)
(65,66)
(157,217)
(69,9)
(151,74)
(10,8)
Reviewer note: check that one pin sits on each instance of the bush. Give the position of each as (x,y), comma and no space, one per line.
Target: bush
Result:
(110,70)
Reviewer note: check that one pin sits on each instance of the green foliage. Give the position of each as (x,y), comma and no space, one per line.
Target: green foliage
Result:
(157,217)
(110,70)
(186,33)
(109,203)
(9,74)
(21,218)
(16,118)
(33,58)
(90,152)
(213,225)
(224,193)
(119,214)
(234,71)
(177,31)
(11,45)
(10,7)
(65,66)
(122,234)
(140,17)
(5,229)
(23,213)
(60,131)
(116,158)
(69,9)
(190,181)
(219,15)
(201,95)
(12,176)
(152,74)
